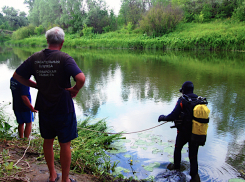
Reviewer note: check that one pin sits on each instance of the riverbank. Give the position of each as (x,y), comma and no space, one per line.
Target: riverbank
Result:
(30,168)
(216,35)
(23,160)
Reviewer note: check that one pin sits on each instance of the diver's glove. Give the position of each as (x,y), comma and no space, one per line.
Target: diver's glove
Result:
(161,118)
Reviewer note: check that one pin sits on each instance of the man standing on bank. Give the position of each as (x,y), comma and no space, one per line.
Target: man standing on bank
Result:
(52,70)
(184,131)
(22,107)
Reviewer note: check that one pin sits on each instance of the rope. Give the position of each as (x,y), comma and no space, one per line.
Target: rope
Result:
(123,133)
(24,152)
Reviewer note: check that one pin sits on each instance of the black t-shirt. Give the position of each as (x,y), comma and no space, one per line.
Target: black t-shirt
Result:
(52,70)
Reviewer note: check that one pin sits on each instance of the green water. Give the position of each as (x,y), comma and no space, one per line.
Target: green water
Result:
(132,88)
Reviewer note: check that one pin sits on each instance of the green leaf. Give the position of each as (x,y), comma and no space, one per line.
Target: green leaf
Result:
(10,166)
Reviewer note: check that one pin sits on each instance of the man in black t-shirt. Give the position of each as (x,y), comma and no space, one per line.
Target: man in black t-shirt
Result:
(52,70)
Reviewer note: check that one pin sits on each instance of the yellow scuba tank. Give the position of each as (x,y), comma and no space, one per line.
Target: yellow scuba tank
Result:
(200,121)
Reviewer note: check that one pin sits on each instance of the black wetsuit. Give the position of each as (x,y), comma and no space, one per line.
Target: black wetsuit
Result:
(184,131)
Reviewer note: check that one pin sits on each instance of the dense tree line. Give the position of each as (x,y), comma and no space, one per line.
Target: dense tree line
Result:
(154,17)
(12,19)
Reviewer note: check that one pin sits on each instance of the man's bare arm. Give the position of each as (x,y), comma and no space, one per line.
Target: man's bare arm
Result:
(24,81)
(80,80)
(27,103)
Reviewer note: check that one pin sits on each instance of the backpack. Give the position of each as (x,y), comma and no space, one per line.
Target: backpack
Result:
(200,119)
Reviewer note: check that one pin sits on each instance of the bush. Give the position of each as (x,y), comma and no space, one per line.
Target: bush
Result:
(239,13)
(161,19)
(87,31)
(23,32)
(39,30)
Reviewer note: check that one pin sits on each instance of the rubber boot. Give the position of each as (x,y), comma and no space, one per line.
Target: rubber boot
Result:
(196,178)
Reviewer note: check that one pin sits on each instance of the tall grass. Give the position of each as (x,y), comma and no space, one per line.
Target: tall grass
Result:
(5,127)
(88,150)
(217,35)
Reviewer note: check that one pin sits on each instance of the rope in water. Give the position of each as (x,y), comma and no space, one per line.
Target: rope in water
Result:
(124,133)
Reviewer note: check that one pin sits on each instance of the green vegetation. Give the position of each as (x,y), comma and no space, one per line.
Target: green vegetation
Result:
(155,24)
(5,132)
(88,150)
(216,35)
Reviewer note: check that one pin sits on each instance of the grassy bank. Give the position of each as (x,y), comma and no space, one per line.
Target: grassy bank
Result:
(88,150)
(217,35)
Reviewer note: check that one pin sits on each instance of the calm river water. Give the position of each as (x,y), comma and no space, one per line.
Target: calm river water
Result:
(132,88)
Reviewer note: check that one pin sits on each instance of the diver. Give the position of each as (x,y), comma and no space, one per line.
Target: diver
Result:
(182,114)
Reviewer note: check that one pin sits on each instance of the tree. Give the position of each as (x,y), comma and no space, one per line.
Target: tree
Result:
(45,12)
(208,9)
(161,19)
(14,18)
(239,12)
(113,21)
(131,11)
(97,16)
(30,4)
(73,14)
(98,19)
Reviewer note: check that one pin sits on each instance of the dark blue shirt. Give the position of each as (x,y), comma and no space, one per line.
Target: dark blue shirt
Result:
(52,70)
(19,90)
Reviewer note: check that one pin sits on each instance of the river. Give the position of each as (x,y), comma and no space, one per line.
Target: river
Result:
(131,88)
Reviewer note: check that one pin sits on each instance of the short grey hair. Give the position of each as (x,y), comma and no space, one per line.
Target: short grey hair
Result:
(55,35)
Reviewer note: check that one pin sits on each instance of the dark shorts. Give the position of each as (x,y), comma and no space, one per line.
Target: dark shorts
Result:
(64,126)
(24,117)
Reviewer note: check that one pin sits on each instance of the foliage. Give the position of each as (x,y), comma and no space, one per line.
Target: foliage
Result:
(88,150)
(4,36)
(6,168)
(88,153)
(39,30)
(73,14)
(239,12)
(131,11)
(23,32)
(217,35)
(98,19)
(29,3)
(5,132)
(161,19)
(87,31)
(45,12)
(209,9)
(14,18)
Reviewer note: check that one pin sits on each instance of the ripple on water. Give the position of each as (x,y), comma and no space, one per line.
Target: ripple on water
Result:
(212,172)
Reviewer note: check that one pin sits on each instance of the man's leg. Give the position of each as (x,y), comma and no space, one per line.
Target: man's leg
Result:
(49,157)
(65,160)
(193,152)
(21,130)
(179,143)
(28,128)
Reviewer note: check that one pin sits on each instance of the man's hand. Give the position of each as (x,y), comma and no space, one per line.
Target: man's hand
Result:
(28,103)
(73,91)
(80,79)
(161,118)
(33,110)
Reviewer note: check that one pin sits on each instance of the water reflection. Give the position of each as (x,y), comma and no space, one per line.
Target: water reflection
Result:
(131,89)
